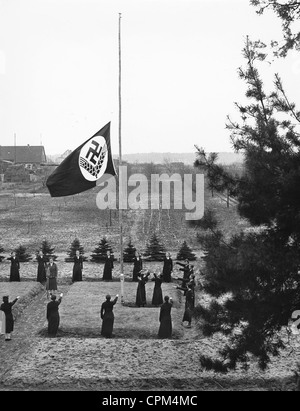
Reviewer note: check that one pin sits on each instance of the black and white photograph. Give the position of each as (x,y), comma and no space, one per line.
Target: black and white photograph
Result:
(149,198)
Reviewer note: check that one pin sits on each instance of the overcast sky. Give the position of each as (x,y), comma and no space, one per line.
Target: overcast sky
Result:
(59,71)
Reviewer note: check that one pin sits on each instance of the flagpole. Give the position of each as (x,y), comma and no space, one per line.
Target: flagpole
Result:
(120,152)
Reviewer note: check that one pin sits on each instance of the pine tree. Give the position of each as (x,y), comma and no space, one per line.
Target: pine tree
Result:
(185,252)
(129,253)
(1,251)
(75,245)
(259,270)
(22,255)
(48,250)
(100,252)
(155,251)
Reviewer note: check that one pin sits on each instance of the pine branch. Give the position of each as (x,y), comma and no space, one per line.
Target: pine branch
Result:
(290,106)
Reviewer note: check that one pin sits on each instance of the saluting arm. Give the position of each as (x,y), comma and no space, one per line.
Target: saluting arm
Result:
(183,280)
(182,288)
(60,298)
(15,300)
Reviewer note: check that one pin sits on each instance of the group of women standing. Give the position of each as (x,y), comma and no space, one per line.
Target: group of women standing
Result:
(46,273)
(166,271)
(48,269)
(166,304)
(157,297)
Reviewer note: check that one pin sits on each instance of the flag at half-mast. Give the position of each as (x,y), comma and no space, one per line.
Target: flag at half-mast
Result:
(84,167)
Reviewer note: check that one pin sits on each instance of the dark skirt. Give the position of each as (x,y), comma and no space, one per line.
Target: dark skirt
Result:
(165,328)
(135,274)
(187,316)
(51,284)
(157,298)
(53,324)
(189,307)
(167,270)
(141,295)
(77,273)
(107,324)
(41,274)
(137,267)
(14,274)
(167,276)
(107,273)
(9,323)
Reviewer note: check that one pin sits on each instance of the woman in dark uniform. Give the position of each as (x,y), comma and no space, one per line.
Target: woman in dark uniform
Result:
(107,316)
(189,303)
(78,267)
(108,267)
(6,307)
(168,268)
(14,268)
(186,268)
(41,274)
(157,298)
(141,290)
(53,315)
(137,266)
(165,328)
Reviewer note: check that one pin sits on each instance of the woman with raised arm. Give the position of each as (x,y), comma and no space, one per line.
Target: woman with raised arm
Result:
(7,323)
(157,298)
(107,316)
(189,292)
(141,290)
(186,268)
(53,315)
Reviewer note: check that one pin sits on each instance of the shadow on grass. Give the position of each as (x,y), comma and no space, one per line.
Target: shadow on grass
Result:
(130,334)
(133,305)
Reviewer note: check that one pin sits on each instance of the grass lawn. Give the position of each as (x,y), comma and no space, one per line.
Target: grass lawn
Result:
(29,219)
(15,289)
(80,311)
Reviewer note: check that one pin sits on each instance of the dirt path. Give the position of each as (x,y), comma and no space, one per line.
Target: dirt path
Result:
(26,330)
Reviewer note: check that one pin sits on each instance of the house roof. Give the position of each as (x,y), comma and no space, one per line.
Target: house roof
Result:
(23,154)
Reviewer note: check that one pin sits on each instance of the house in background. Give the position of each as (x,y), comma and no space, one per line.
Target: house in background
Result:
(31,157)
(4,165)
(20,163)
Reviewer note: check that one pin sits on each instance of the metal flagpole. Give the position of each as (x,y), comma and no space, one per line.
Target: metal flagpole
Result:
(120,155)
